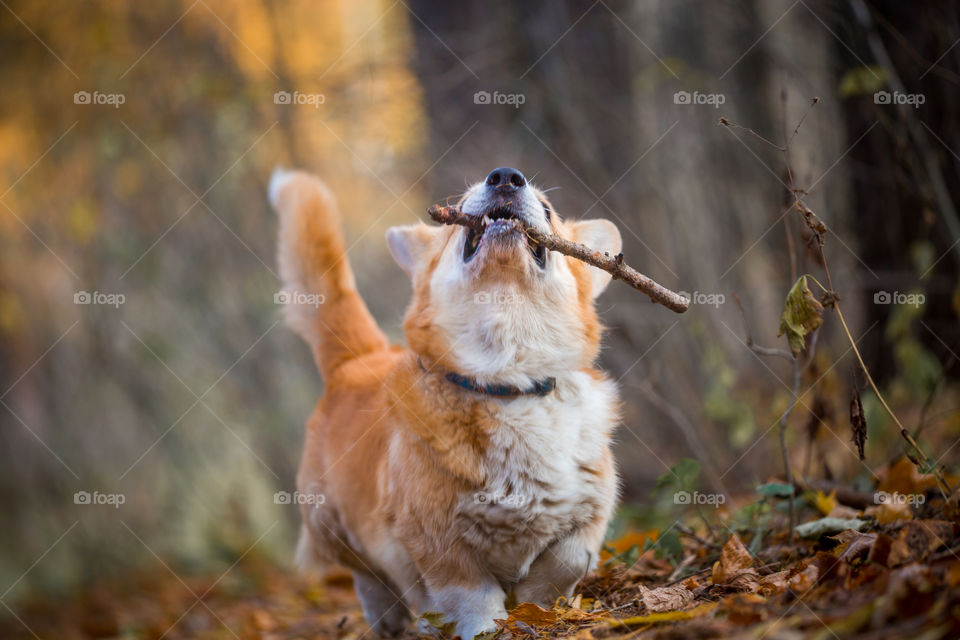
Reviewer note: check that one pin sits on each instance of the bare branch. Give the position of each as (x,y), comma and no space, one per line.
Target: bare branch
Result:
(614,265)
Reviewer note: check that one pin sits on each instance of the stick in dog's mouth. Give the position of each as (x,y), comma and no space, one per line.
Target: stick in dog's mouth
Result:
(499,220)
(614,265)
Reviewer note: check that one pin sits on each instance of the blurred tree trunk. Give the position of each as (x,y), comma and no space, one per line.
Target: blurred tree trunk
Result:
(599,120)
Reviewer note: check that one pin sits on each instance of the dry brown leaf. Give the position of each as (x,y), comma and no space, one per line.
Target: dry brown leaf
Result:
(804,580)
(579,615)
(843,512)
(666,598)
(743,580)
(745,608)
(531,614)
(918,538)
(733,559)
(773,584)
(911,591)
(890,512)
(903,477)
(691,583)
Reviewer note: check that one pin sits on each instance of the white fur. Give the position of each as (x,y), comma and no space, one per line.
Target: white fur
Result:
(474,610)
(533,471)
(278,179)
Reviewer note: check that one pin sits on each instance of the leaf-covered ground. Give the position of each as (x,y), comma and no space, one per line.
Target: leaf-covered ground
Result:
(883,565)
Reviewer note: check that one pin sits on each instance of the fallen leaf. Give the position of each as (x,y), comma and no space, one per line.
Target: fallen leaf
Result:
(859,544)
(524,628)
(531,614)
(825,504)
(668,616)
(823,526)
(733,558)
(743,580)
(437,621)
(804,581)
(666,598)
(844,512)
(917,539)
(910,591)
(890,512)
(903,477)
(579,615)
(773,584)
(745,608)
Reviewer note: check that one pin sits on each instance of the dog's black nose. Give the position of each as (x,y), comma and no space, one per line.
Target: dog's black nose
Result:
(506,179)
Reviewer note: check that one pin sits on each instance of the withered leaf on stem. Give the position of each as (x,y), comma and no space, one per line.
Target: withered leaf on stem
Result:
(802,314)
(858,422)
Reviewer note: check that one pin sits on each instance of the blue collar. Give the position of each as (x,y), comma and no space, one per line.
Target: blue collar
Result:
(539,388)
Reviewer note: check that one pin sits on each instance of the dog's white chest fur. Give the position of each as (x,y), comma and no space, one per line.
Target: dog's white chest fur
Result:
(540,479)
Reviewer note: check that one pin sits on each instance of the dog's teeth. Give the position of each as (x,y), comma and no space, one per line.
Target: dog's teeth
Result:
(486,219)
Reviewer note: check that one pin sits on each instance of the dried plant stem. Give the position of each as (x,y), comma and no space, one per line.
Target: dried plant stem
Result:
(795,365)
(614,265)
(783,443)
(921,458)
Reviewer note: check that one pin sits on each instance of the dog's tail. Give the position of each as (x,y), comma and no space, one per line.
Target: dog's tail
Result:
(320,297)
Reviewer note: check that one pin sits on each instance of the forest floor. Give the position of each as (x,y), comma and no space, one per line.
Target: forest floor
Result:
(869,568)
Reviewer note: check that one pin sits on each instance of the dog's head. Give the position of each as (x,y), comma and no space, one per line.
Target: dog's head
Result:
(491,304)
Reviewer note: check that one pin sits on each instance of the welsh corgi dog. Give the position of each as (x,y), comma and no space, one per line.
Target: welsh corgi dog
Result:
(475,463)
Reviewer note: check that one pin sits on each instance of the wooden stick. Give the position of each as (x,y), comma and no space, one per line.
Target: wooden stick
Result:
(614,265)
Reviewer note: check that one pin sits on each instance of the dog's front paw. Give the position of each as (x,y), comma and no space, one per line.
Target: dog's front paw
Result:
(467,629)
(473,610)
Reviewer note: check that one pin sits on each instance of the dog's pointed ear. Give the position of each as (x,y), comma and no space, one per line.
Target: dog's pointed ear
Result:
(409,245)
(600,235)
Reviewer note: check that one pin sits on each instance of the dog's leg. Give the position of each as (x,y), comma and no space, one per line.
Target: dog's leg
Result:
(560,567)
(473,608)
(385,611)
(465,593)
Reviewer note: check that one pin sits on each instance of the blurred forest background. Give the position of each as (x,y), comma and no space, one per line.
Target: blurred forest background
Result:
(189,398)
